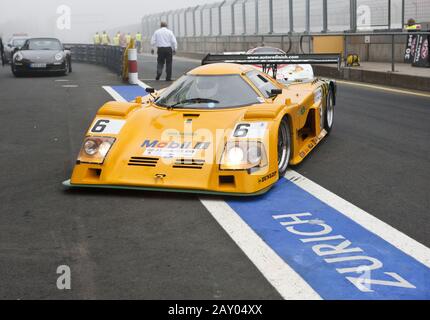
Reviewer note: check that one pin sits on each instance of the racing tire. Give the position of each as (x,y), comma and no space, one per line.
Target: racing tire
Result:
(14,72)
(284,147)
(67,68)
(329,112)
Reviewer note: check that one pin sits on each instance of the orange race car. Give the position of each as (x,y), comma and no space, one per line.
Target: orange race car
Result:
(225,127)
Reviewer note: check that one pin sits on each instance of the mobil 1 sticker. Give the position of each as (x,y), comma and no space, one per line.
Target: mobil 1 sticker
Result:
(107,126)
(250,130)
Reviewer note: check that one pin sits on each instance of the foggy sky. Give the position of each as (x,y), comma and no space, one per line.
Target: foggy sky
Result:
(38,18)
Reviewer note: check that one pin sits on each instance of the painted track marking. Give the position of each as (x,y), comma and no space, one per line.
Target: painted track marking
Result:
(114,94)
(400,240)
(279,274)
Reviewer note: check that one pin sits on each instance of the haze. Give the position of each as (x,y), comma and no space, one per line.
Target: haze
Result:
(40,18)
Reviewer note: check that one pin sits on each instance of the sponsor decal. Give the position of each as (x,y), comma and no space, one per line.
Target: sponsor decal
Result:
(421,58)
(311,145)
(302,111)
(317,95)
(268,177)
(172,149)
(410,48)
(425,49)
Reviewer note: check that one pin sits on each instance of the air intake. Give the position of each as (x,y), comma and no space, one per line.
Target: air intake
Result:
(189,164)
(143,162)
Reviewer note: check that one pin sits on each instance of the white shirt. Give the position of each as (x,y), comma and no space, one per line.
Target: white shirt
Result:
(164,38)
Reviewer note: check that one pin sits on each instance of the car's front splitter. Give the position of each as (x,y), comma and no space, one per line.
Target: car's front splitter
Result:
(68,184)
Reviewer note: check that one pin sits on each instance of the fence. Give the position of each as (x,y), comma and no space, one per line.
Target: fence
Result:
(262,17)
(111,57)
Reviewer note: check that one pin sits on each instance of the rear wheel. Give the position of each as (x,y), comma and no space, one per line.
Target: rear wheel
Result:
(329,112)
(284,147)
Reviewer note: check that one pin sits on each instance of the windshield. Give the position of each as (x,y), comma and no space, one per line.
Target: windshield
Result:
(209,92)
(18,42)
(44,44)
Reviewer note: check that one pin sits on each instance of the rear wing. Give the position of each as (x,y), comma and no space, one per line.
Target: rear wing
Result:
(271,61)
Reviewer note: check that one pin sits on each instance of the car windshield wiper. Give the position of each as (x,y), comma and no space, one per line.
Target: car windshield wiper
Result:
(193,101)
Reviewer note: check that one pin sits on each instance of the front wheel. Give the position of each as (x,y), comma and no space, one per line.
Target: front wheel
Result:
(329,112)
(14,72)
(66,68)
(284,147)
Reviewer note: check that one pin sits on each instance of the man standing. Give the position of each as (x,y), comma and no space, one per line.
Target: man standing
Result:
(128,38)
(105,39)
(97,39)
(139,42)
(165,42)
(116,39)
(1,52)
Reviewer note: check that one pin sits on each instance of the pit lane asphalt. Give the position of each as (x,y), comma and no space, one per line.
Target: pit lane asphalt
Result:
(144,245)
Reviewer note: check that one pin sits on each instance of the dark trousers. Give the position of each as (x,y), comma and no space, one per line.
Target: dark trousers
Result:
(165,57)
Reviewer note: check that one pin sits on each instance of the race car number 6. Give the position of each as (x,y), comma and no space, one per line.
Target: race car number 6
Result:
(100,126)
(251,130)
(107,126)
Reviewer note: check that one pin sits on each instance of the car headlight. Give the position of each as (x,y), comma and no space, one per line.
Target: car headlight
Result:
(18,56)
(58,56)
(95,149)
(243,155)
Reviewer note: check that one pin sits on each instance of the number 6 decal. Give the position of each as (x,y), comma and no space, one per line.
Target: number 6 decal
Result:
(107,126)
(242,130)
(100,126)
(251,130)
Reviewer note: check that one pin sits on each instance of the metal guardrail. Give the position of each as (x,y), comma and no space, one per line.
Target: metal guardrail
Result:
(111,57)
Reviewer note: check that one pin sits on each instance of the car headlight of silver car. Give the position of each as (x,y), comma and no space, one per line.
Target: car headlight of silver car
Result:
(59,56)
(243,155)
(95,149)
(18,56)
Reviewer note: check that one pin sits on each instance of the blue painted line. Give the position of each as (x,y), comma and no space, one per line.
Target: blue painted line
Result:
(266,214)
(130,92)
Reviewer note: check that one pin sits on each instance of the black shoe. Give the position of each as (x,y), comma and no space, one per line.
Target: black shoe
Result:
(168,80)
(157,78)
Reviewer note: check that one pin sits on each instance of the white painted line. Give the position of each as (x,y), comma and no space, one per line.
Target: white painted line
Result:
(114,94)
(61,80)
(279,274)
(376,87)
(398,239)
(142,84)
(70,86)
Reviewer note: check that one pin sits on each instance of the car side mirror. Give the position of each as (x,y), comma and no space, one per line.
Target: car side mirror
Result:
(275,92)
(151,91)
